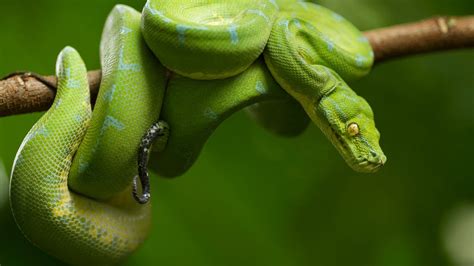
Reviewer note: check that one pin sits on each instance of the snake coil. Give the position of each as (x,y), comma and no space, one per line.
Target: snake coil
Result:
(287,61)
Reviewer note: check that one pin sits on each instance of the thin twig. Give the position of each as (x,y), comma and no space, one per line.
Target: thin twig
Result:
(27,93)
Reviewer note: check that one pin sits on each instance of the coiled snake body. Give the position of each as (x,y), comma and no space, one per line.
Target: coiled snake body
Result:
(71,180)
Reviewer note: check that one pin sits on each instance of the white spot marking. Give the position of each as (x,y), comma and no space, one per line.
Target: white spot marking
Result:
(58,103)
(125,30)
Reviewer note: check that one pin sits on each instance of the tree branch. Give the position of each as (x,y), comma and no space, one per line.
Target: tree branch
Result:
(435,34)
(25,92)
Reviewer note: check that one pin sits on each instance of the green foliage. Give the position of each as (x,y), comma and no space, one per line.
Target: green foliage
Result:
(256,199)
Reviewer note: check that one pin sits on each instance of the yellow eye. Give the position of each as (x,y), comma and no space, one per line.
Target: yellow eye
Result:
(353,129)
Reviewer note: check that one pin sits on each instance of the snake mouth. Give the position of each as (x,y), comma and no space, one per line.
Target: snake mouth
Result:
(358,163)
(368,166)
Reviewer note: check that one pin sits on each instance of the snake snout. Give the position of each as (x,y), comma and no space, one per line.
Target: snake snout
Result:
(377,158)
(368,162)
(372,163)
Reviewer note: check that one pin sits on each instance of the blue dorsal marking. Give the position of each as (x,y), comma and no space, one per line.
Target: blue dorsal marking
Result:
(41,131)
(67,72)
(360,60)
(123,66)
(234,37)
(329,43)
(297,23)
(109,95)
(210,113)
(58,103)
(259,13)
(111,122)
(337,17)
(273,2)
(363,39)
(83,166)
(78,118)
(181,29)
(284,22)
(71,83)
(260,87)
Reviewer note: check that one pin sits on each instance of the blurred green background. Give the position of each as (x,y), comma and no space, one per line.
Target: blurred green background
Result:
(256,199)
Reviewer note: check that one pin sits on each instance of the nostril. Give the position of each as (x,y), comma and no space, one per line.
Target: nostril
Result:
(373,153)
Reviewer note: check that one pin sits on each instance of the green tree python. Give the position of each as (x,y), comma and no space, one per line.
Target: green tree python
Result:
(191,64)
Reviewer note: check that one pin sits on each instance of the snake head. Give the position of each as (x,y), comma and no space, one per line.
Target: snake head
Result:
(348,121)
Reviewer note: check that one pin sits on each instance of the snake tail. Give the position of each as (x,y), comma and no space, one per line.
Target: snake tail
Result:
(157,132)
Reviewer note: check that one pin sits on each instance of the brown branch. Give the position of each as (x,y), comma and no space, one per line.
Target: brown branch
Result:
(435,34)
(26,93)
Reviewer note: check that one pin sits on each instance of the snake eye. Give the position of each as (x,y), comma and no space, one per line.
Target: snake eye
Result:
(353,129)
